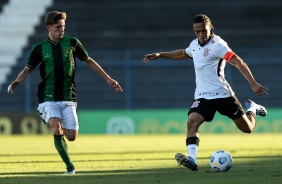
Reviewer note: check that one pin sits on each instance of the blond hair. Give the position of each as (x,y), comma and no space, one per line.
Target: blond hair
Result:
(53,17)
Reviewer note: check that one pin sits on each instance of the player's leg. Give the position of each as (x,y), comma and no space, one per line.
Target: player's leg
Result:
(192,142)
(71,135)
(247,122)
(70,120)
(232,108)
(193,137)
(70,125)
(59,142)
(50,113)
(201,110)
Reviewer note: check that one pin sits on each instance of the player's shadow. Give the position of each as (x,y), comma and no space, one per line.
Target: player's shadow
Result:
(257,170)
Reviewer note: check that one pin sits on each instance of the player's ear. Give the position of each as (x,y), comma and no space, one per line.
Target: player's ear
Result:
(212,28)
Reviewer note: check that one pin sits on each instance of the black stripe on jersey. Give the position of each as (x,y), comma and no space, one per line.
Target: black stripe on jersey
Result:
(42,69)
(218,67)
(58,72)
(218,74)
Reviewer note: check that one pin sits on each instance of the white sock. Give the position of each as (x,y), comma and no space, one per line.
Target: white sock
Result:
(192,150)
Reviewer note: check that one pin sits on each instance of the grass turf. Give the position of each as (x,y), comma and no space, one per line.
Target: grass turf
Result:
(139,159)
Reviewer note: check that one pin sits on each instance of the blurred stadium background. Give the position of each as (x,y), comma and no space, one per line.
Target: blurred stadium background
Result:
(117,34)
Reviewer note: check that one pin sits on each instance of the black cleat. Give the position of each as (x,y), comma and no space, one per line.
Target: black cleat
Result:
(187,162)
(70,170)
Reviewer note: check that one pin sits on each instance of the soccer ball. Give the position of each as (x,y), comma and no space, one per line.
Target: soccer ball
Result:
(221,161)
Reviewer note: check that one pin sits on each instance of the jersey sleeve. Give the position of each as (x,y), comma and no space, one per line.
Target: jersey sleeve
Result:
(34,57)
(223,51)
(80,51)
(188,51)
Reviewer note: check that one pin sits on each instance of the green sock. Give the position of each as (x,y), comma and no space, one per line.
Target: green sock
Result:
(62,149)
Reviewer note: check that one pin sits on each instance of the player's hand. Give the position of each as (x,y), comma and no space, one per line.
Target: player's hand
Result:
(12,86)
(115,85)
(149,57)
(259,89)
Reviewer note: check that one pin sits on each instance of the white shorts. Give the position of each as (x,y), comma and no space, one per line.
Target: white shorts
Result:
(64,110)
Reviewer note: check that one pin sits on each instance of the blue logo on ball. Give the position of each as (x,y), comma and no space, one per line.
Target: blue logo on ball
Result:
(221,160)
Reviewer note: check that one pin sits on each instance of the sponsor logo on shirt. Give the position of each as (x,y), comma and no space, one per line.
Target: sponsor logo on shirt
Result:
(208,94)
(47,55)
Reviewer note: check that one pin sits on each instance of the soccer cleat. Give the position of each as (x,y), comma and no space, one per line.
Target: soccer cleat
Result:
(260,110)
(186,161)
(70,170)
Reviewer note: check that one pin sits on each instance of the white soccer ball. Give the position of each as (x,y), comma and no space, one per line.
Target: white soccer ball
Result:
(221,161)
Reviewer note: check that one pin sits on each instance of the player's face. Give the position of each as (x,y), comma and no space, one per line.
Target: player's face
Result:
(56,31)
(202,31)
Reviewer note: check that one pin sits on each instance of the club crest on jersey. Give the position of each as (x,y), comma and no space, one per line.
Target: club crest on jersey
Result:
(67,52)
(206,52)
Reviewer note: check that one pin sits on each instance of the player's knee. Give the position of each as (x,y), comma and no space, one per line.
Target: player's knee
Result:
(247,130)
(194,121)
(71,138)
(55,126)
(191,124)
(57,130)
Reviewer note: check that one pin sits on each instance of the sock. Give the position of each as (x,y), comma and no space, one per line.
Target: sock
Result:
(192,144)
(192,150)
(252,109)
(62,148)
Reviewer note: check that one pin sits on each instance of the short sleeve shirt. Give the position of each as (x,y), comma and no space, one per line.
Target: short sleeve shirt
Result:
(57,67)
(209,63)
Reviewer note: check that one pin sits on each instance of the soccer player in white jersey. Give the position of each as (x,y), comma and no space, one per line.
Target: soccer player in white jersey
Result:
(213,93)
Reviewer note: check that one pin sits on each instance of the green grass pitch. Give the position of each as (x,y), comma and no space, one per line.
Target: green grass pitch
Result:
(122,159)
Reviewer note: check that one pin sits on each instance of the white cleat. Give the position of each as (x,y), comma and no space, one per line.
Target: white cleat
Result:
(260,110)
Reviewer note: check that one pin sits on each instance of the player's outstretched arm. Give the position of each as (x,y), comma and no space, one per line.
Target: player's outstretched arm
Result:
(244,69)
(176,54)
(152,56)
(115,85)
(21,77)
(94,66)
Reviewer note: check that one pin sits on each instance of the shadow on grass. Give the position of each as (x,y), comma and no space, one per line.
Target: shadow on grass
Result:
(120,152)
(127,159)
(263,170)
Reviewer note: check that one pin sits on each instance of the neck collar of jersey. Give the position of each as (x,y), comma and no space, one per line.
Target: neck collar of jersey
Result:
(49,40)
(206,42)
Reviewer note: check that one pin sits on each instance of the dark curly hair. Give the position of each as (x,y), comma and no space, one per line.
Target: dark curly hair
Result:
(203,18)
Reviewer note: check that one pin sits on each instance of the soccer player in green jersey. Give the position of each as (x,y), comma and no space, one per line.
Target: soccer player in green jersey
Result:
(57,92)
